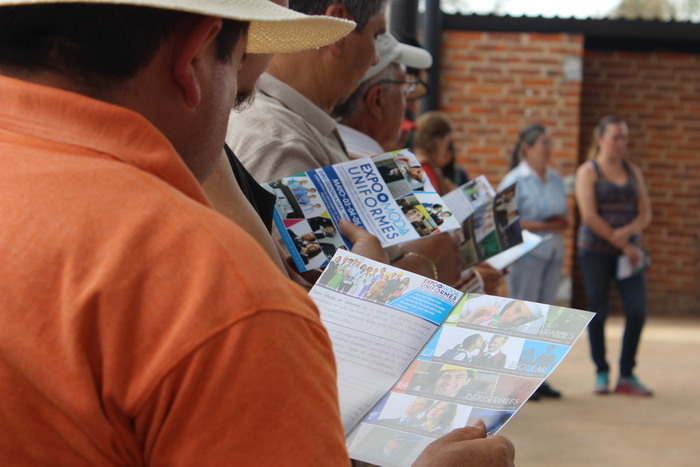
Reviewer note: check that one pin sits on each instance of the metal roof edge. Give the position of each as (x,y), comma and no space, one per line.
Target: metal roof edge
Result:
(606,33)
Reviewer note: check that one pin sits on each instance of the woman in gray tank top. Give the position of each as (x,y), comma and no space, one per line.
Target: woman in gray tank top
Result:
(613,201)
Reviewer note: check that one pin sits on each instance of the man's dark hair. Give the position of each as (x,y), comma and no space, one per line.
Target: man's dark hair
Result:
(361,10)
(98,45)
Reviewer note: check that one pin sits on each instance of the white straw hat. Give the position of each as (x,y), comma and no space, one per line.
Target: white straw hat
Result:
(273,28)
(391,51)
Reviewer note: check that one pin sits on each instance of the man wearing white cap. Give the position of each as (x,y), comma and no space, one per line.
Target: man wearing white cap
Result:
(371,117)
(136,324)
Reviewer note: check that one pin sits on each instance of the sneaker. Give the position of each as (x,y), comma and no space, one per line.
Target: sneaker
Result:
(631,385)
(601,383)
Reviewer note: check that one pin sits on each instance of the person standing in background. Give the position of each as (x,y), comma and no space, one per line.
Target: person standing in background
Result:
(433,136)
(542,208)
(452,170)
(613,200)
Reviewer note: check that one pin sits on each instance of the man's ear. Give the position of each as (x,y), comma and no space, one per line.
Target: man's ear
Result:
(338,10)
(374,101)
(190,53)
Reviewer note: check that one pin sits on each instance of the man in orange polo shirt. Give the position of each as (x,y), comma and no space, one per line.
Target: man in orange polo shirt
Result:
(138,326)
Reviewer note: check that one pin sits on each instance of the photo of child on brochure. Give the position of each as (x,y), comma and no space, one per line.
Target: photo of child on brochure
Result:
(479,349)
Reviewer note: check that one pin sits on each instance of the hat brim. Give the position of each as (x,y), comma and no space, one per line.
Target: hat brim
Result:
(390,50)
(414,57)
(273,28)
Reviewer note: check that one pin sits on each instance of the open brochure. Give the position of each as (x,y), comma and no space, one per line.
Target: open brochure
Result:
(388,195)
(470,196)
(513,254)
(489,220)
(417,358)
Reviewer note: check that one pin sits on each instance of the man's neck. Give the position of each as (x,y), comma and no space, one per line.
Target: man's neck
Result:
(303,72)
(366,126)
(55,80)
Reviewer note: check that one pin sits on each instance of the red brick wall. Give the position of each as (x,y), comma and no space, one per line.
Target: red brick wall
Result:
(658,94)
(493,84)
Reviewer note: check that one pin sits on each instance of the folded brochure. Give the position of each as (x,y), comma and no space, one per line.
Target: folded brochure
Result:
(389,195)
(505,258)
(417,358)
(489,220)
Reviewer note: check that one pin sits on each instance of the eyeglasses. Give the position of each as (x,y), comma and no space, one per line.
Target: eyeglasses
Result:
(407,87)
(420,88)
(412,88)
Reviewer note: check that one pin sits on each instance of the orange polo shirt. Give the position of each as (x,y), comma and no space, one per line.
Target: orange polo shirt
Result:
(137,325)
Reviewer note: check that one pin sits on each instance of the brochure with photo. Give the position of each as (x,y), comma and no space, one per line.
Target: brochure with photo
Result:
(417,358)
(489,220)
(470,196)
(388,195)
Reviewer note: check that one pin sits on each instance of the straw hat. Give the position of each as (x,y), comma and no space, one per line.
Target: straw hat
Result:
(273,29)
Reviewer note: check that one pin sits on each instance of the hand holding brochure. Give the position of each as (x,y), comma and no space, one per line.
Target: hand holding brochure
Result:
(625,268)
(417,358)
(388,195)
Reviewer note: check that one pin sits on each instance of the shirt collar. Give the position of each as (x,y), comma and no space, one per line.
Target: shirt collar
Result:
(359,144)
(68,119)
(297,103)
(526,171)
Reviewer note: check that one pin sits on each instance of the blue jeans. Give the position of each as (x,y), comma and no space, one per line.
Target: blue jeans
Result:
(598,271)
(534,279)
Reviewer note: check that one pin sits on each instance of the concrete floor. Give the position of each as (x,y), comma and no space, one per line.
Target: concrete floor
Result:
(582,429)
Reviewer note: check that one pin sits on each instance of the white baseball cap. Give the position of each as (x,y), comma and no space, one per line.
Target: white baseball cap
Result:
(391,51)
(273,28)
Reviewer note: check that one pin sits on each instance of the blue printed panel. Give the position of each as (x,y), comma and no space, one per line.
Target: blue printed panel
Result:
(288,242)
(335,195)
(429,349)
(424,305)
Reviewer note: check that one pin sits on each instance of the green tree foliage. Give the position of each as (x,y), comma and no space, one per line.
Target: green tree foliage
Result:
(664,10)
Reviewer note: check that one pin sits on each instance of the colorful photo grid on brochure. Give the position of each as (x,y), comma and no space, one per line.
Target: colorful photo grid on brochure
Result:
(484,362)
(490,221)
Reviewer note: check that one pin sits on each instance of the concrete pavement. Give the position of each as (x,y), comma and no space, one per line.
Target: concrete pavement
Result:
(583,429)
